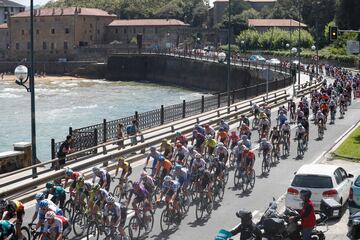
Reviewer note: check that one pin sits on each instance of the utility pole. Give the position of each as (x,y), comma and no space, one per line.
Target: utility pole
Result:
(229,56)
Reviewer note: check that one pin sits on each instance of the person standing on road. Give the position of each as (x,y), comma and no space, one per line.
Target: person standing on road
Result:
(65,148)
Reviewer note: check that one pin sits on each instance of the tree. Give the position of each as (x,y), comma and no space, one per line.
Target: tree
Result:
(347,14)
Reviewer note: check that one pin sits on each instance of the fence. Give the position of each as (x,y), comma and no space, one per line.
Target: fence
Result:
(107,130)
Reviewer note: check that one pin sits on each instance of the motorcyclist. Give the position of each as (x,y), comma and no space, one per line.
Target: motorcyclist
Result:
(247,229)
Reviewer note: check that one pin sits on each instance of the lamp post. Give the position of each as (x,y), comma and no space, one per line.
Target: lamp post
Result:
(294,51)
(299,49)
(221,57)
(229,55)
(314,48)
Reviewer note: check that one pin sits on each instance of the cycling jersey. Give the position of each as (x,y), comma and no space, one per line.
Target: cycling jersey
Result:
(140,194)
(156,156)
(181,153)
(13,208)
(249,158)
(265,146)
(211,143)
(222,134)
(199,165)
(148,183)
(172,185)
(57,225)
(113,211)
(285,128)
(221,150)
(100,195)
(166,165)
(181,176)
(210,131)
(6,229)
(225,126)
(74,176)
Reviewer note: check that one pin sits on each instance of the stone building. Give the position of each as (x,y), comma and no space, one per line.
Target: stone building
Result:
(262,25)
(4,37)
(8,9)
(258,5)
(58,32)
(156,33)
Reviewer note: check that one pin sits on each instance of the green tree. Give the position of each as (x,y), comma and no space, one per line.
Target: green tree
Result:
(347,14)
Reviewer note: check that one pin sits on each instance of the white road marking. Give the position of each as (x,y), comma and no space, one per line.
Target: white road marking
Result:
(318,158)
(346,132)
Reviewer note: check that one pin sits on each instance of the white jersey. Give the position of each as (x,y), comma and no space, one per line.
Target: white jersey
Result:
(114,211)
(57,225)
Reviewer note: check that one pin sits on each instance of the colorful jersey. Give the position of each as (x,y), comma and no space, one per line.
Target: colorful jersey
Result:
(222,135)
(142,193)
(210,143)
(74,176)
(57,225)
(114,211)
(166,165)
(171,185)
(6,229)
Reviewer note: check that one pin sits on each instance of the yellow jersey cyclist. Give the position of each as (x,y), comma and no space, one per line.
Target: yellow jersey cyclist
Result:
(114,215)
(82,189)
(97,199)
(210,144)
(166,148)
(126,169)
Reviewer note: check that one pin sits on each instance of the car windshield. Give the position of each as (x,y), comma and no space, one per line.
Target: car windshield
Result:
(312,181)
(357,182)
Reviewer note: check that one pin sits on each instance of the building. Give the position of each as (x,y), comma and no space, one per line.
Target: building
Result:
(9,8)
(219,10)
(156,33)
(258,5)
(58,32)
(262,25)
(4,39)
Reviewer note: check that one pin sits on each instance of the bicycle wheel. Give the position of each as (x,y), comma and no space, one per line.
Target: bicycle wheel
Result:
(253,179)
(25,233)
(226,175)
(199,210)
(231,160)
(117,192)
(272,157)
(134,227)
(69,209)
(184,203)
(265,166)
(245,184)
(79,224)
(150,222)
(209,205)
(93,232)
(220,190)
(237,178)
(127,188)
(165,219)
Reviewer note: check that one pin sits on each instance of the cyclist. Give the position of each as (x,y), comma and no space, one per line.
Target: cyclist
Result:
(224,125)
(58,192)
(170,188)
(54,225)
(209,131)
(181,176)
(281,118)
(320,118)
(198,166)
(181,153)
(206,183)
(299,114)
(104,176)
(200,139)
(264,124)
(163,168)
(265,147)
(306,125)
(244,119)
(234,138)
(7,229)
(198,128)
(114,215)
(83,189)
(300,132)
(246,141)
(245,130)
(39,197)
(141,196)
(275,138)
(210,145)
(181,138)
(166,148)
(44,207)
(255,110)
(97,199)
(285,132)
(155,155)
(148,183)
(324,107)
(13,211)
(267,111)
(71,175)
(218,169)
(193,152)
(222,135)
(221,152)
(248,159)
(292,109)
(332,106)
(238,151)
(126,169)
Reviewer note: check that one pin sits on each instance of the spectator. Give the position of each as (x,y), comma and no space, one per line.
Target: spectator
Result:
(65,148)
(120,135)
(133,131)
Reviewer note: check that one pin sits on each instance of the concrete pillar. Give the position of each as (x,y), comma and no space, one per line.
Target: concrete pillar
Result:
(26,148)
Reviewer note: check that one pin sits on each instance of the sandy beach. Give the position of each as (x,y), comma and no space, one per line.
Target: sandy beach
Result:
(46,78)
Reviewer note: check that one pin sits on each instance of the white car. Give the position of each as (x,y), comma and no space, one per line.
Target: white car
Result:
(324,181)
(273,61)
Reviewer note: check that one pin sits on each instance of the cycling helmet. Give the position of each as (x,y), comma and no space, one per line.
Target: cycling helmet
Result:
(206,125)
(196,126)
(164,140)
(300,125)
(239,143)
(81,179)
(221,129)
(40,196)
(242,116)
(243,125)
(3,203)
(178,133)
(233,133)
(143,174)
(263,140)
(209,137)
(44,203)
(245,149)
(152,149)
(95,169)
(167,178)
(178,167)
(136,184)
(198,156)
(220,144)
(222,121)
(305,194)
(68,172)
(50,215)
(96,187)
(110,199)
(49,185)
(190,147)
(121,160)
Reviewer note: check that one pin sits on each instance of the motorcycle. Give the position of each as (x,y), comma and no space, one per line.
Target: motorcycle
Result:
(354,226)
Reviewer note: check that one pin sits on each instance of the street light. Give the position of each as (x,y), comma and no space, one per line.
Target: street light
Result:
(314,48)
(221,57)
(292,66)
(229,55)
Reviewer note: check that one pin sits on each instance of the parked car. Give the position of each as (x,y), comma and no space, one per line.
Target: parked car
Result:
(257,58)
(273,61)
(354,199)
(324,181)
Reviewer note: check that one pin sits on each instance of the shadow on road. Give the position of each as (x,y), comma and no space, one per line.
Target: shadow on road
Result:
(165,234)
(200,222)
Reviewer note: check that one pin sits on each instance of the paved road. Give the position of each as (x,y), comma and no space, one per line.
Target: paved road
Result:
(273,185)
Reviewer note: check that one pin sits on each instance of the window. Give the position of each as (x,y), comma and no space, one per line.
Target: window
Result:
(67,30)
(23,32)
(11,9)
(44,46)
(52,46)
(53,31)
(17,46)
(66,45)
(343,174)
(338,177)
(37,31)
(312,181)
(91,37)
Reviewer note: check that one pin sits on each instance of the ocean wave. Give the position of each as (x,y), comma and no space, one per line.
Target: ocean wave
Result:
(9,95)
(50,91)
(94,81)
(85,107)
(13,90)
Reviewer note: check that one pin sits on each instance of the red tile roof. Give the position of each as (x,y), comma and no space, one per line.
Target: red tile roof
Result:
(70,11)
(4,26)
(147,22)
(275,23)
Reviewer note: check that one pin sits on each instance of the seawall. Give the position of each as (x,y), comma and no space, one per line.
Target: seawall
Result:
(183,72)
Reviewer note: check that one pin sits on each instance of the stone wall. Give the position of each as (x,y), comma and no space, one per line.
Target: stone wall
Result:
(19,158)
(194,74)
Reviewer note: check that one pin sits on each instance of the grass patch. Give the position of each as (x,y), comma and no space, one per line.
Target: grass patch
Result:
(350,148)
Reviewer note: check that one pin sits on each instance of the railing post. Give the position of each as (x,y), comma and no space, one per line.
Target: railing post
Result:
(162,115)
(136,116)
(184,109)
(104,130)
(202,104)
(53,150)
(70,130)
(233,97)
(219,100)
(95,139)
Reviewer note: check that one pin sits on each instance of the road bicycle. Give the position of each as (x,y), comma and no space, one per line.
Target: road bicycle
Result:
(141,224)
(169,217)
(122,190)
(286,146)
(96,231)
(275,155)
(320,131)
(300,147)
(266,163)
(219,189)
(248,179)
(203,203)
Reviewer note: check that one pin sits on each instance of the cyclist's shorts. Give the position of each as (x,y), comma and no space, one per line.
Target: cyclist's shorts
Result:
(123,216)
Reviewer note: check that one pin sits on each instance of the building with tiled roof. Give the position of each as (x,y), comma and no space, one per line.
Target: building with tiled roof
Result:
(155,33)
(58,32)
(4,38)
(9,8)
(263,25)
